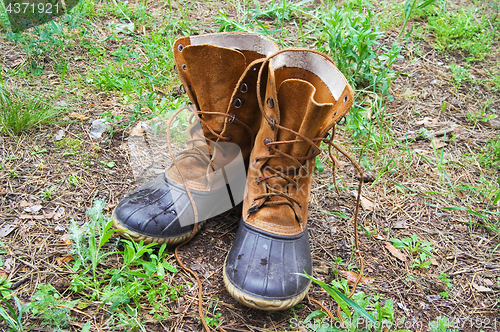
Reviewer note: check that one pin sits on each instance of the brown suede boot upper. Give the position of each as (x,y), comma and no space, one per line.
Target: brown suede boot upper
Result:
(307,94)
(219,73)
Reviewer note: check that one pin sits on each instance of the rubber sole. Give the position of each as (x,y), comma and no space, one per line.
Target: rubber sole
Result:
(122,229)
(260,303)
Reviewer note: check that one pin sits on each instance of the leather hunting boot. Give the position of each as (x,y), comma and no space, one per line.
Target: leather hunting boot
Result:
(219,73)
(305,96)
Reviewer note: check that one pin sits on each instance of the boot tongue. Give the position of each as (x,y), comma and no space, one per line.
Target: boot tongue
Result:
(217,71)
(300,113)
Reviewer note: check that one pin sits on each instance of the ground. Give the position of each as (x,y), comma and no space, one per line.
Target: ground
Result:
(425,146)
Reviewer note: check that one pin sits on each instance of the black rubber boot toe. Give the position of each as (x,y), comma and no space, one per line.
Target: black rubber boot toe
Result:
(160,211)
(261,270)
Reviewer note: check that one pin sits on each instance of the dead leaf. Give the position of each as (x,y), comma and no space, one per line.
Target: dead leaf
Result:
(432,298)
(488,282)
(3,275)
(33,209)
(110,102)
(64,259)
(179,310)
(24,204)
(78,116)
(353,276)
(400,224)
(395,252)
(437,143)
(59,212)
(6,229)
(366,204)
(9,264)
(136,130)
(368,177)
(482,289)
(322,269)
(492,123)
(49,215)
(17,62)
(428,122)
(66,238)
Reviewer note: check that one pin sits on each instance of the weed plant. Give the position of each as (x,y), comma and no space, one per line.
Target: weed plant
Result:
(376,313)
(51,308)
(20,112)
(139,278)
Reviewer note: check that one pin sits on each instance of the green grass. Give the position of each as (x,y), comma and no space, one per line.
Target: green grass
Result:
(134,65)
(490,154)
(139,281)
(467,31)
(69,144)
(20,111)
(460,75)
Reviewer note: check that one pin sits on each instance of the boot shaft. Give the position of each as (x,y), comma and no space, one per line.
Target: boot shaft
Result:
(219,73)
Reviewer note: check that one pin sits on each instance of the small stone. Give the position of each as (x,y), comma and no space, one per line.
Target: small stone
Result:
(98,128)
(61,284)
(59,136)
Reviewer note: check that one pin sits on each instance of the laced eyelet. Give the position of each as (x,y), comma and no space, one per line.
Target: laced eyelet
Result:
(182,88)
(267,141)
(237,103)
(180,47)
(232,118)
(342,121)
(270,102)
(230,138)
(184,67)
(244,88)
(272,124)
(328,136)
(346,98)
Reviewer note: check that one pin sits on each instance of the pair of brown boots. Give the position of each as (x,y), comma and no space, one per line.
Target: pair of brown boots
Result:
(258,107)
